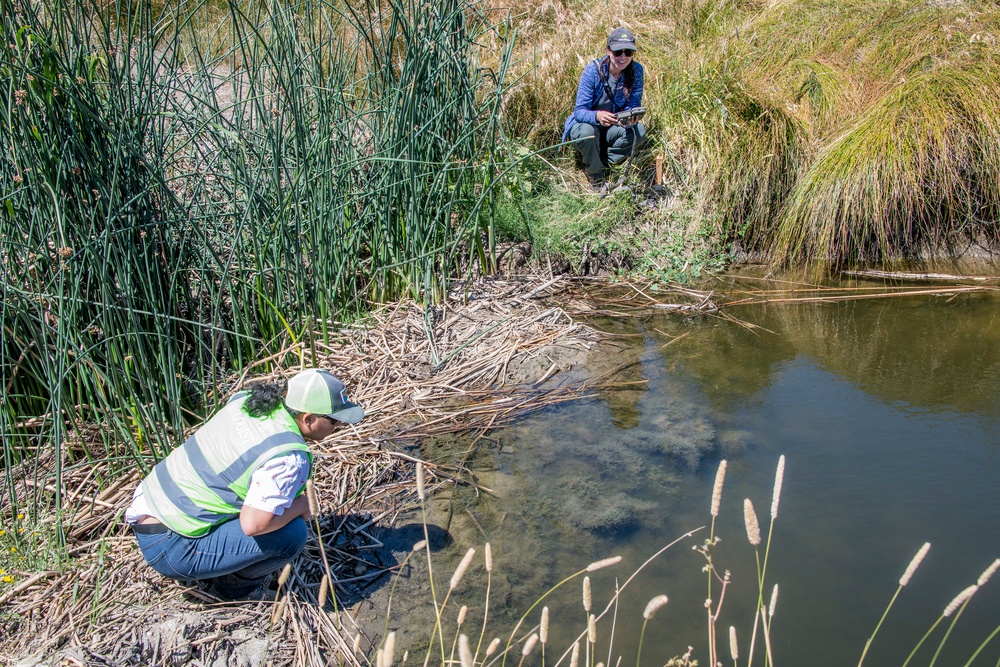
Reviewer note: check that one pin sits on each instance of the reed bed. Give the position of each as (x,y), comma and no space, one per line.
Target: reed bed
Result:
(189,188)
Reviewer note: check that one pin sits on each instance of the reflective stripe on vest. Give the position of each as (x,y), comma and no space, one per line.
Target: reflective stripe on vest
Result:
(204,481)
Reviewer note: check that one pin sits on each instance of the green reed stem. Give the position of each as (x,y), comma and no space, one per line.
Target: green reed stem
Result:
(982,646)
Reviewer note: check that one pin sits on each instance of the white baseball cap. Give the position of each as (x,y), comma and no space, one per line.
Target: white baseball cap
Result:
(322,393)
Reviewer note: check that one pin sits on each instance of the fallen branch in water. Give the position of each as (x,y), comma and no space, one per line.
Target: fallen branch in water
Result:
(901,275)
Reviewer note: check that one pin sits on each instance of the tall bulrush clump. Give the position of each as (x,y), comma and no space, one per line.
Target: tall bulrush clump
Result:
(182,198)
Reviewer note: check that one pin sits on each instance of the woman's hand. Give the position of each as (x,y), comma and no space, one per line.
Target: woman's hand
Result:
(606,118)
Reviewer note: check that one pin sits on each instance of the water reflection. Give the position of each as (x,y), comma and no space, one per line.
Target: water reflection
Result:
(887,412)
(929,352)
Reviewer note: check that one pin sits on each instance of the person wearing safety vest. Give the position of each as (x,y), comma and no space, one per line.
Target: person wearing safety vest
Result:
(227,508)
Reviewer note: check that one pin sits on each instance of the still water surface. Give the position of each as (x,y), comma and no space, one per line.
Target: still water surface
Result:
(888,413)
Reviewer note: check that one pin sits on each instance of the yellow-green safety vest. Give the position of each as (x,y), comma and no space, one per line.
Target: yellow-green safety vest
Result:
(203,482)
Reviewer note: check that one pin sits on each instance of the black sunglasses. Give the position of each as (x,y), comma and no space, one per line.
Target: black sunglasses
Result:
(627,52)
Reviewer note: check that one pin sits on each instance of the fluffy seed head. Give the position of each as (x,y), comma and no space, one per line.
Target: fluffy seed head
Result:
(313,499)
(285,573)
(491,649)
(390,649)
(380,658)
(603,563)
(279,611)
(750,519)
(419,545)
(574,659)
(720,477)
(914,564)
(420,480)
(988,572)
(357,643)
(462,567)
(779,476)
(543,626)
(530,644)
(324,589)
(586,594)
(464,652)
(653,605)
(774,602)
(488,554)
(592,629)
(733,646)
(461,614)
(959,599)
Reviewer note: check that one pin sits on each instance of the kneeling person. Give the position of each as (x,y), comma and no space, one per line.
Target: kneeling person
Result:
(609,85)
(227,507)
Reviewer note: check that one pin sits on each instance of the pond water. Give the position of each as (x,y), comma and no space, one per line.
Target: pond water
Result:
(888,414)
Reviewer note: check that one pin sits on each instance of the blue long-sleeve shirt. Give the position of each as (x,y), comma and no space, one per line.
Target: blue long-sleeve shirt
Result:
(589,92)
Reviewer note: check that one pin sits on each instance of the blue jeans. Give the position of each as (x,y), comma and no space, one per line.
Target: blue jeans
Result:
(232,562)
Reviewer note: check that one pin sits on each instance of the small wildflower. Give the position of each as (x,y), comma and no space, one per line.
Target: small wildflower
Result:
(80,80)
(13,550)
(20,517)
(65,252)
(18,178)
(19,96)
(8,579)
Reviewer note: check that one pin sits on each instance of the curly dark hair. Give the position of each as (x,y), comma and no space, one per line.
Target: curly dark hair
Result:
(265,398)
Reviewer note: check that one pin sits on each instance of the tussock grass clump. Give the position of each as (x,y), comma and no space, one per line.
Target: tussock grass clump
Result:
(773,117)
(918,171)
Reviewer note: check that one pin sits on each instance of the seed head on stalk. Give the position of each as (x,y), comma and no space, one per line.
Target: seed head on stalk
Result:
(750,519)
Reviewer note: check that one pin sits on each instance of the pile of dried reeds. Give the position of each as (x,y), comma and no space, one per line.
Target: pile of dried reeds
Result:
(419,372)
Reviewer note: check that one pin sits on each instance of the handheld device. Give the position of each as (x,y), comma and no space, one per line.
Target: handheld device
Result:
(630,116)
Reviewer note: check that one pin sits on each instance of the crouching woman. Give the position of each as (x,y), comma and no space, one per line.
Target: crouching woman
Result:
(227,508)
(609,85)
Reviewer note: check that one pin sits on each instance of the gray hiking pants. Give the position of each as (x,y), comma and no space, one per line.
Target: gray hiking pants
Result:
(606,145)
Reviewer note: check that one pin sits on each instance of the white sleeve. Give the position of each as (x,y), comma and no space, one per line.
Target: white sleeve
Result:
(274,485)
